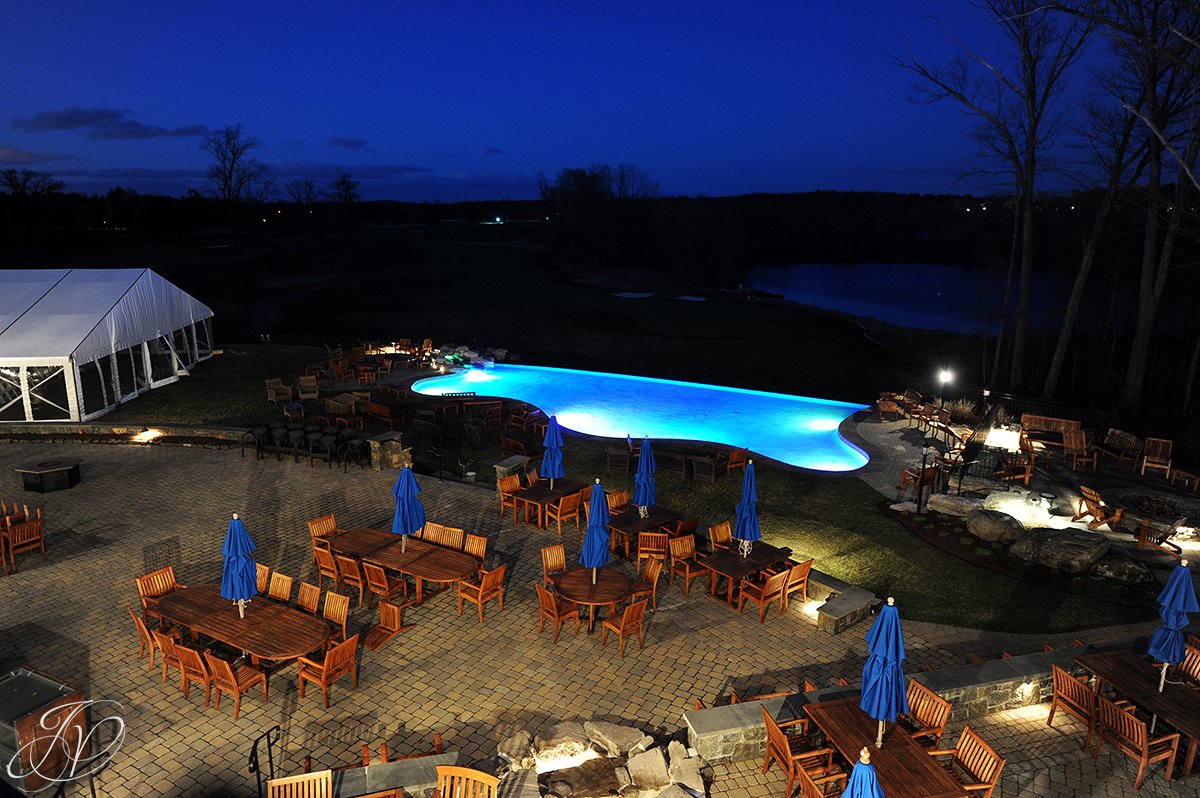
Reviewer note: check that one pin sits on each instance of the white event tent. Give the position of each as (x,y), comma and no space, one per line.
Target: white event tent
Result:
(75,343)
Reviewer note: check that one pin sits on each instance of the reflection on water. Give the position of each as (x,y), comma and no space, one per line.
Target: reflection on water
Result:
(925,295)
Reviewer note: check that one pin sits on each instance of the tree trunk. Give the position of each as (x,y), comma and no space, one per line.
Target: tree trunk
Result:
(1021,331)
(998,379)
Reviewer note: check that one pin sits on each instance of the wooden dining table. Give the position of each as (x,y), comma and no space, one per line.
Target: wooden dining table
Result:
(271,630)
(903,767)
(539,496)
(626,526)
(729,563)
(610,588)
(358,543)
(420,559)
(1137,680)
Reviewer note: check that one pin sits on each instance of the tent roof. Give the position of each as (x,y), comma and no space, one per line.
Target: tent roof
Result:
(86,313)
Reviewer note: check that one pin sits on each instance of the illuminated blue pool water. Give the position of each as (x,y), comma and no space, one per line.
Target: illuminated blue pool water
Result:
(793,429)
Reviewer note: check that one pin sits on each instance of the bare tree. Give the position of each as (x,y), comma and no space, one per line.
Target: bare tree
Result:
(344,191)
(633,183)
(1017,115)
(234,176)
(29,183)
(303,192)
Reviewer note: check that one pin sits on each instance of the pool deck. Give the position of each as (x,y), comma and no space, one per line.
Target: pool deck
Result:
(142,507)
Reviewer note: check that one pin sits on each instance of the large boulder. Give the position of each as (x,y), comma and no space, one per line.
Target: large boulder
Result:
(560,741)
(616,740)
(1122,569)
(648,769)
(517,750)
(993,525)
(949,504)
(1070,550)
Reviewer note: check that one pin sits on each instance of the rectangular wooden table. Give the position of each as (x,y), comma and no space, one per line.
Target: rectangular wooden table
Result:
(734,567)
(904,768)
(540,495)
(628,525)
(1137,680)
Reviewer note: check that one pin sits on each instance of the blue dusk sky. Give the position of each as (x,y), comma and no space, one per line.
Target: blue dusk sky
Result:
(468,100)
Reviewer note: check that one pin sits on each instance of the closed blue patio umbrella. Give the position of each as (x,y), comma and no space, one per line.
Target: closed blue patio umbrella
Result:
(410,513)
(746,516)
(595,543)
(884,694)
(643,480)
(863,783)
(552,466)
(239,577)
(1178,598)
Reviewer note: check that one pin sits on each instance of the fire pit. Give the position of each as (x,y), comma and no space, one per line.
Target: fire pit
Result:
(1163,512)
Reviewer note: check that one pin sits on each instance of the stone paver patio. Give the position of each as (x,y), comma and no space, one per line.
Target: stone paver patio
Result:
(142,507)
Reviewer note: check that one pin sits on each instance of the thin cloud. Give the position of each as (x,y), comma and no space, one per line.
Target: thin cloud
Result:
(493,151)
(16,155)
(329,171)
(349,142)
(101,123)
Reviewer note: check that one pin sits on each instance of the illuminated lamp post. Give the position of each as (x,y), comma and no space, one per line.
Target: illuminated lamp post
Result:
(945,377)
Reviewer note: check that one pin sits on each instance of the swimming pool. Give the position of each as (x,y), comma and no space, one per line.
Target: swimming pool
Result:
(792,429)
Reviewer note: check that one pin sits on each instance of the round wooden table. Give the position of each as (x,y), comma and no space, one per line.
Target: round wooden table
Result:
(610,588)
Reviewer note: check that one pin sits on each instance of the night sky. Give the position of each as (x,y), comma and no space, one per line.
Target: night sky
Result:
(469,100)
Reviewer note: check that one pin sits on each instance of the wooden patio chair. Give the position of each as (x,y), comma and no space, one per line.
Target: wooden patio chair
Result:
(166,647)
(913,477)
(1121,445)
(763,593)
(1189,669)
(1090,504)
(1156,454)
(192,669)
(454,781)
(1014,468)
(652,544)
(616,461)
(339,661)
(555,609)
(308,598)
(554,561)
(531,477)
(304,785)
(278,392)
(974,763)
(491,586)
(618,501)
(508,487)
(476,546)
(704,469)
(326,567)
(337,608)
(1128,733)
(154,585)
(449,537)
(927,714)
(322,528)
(737,459)
(381,585)
(720,536)
(567,508)
(262,575)
(25,536)
(1073,695)
(307,388)
(1076,449)
(795,753)
(630,623)
(146,640)
(281,587)
(648,585)
(226,680)
(350,573)
(684,526)
(391,623)
(684,561)
(797,580)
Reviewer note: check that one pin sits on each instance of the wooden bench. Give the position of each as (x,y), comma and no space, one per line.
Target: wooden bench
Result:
(1121,445)
(512,446)
(1047,429)
(380,412)
(927,714)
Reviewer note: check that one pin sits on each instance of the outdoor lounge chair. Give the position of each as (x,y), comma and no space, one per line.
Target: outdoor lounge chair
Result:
(1090,504)
(1156,454)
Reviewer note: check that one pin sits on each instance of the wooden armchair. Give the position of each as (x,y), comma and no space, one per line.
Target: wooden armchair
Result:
(684,561)
(629,623)
(191,669)
(1073,695)
(796,754)
(1128,733)
(648,586)
(720,536)
(382,585)
(1076,449)
(763,593)
(914,478)
(459,782)
(974,763)
(25,536)
(1189,669)
(304,785)
(737,459)
(281,587)
(391,623)
(1156,454)
(227,680)
(652,544)
(927,714)
(350,573)
(555,609)
(153,586)
(797,580)
(1014,468)
(319,529)
(491,586)
(566,508)
(339,661)
(508,487)
(1090,504)
(554,561)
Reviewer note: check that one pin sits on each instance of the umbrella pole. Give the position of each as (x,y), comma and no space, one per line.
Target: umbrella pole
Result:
(551,484)
(241,608)
(1162,679)
(403,543)
(879,736)
(593,576)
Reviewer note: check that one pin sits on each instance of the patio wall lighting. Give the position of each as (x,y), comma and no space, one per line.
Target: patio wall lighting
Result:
(148,435)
